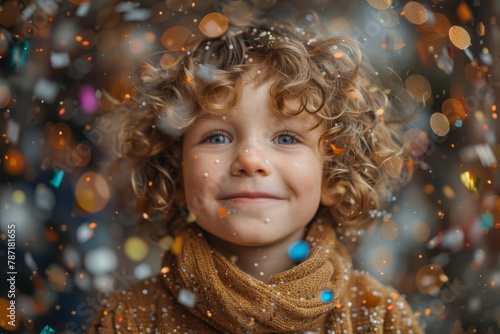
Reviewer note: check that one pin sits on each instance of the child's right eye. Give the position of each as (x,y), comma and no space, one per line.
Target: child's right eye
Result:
(216,137)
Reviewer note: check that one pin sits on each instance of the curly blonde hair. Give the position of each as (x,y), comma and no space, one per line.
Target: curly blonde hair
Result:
(364,159)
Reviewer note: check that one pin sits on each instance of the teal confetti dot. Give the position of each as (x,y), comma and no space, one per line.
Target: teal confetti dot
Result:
(298,251)
(486,220)
(458,123)
(47,330)
(326,296)
(57,178)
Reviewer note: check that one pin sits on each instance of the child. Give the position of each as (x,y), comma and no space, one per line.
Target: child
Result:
(264,152)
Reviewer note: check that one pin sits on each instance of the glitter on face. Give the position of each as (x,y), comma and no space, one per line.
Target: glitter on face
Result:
(205,174)
(217,161)
(268,220)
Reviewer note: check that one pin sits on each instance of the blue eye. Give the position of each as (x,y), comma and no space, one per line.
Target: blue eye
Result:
(218,139)
(286,139)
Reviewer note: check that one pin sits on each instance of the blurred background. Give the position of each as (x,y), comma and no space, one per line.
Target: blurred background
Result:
(437,240)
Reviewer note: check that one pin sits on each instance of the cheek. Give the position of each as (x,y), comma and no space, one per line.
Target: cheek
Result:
(204,176)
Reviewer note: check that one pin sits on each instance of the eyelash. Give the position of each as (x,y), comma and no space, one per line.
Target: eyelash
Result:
(213,133)
(291,134)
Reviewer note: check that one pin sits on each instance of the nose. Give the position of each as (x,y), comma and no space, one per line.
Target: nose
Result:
(249,161)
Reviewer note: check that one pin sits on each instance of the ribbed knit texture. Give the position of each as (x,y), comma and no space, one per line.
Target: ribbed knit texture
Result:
(228,300)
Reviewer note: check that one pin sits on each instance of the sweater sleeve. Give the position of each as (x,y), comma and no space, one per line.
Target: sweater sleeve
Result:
(399,317)
(115,317)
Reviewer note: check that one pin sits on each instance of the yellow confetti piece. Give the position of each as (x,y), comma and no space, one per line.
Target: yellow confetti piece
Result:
(470,181)
(177,245)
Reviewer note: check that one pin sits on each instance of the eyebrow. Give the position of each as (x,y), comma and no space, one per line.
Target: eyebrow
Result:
(206,116)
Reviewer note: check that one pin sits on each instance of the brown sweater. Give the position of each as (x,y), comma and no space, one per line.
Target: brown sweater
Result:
(199,291)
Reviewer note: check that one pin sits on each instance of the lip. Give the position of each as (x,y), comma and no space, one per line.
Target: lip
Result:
(251,197)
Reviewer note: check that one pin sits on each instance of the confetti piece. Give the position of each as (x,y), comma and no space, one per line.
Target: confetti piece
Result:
(59,59)
(46,90)
(481,30)
(83,9)
(337,150)
(88,100)
(470,181)
(177,245)
(186,298)
(298,251)
(84,233)
(222,212)
(445,61)
(47,330)
(459,37)
(486,220)
(57,178)
(18,56)
(326,296)
(13,129)
(101,260)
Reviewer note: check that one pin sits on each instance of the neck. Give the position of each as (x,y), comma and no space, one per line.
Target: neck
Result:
(260,262)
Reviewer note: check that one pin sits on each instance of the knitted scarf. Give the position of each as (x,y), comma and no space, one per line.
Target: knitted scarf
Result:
(229,300)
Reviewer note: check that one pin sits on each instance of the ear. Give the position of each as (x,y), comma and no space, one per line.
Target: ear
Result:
(327,199)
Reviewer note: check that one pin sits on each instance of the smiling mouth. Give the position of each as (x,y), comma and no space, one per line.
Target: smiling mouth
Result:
(251,198)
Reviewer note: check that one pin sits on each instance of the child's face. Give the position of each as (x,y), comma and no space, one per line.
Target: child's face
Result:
(247,179)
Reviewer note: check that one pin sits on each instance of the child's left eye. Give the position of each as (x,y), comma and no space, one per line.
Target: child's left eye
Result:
(286,138)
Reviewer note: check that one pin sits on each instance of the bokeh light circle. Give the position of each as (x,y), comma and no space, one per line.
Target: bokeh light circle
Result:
(421,231)
(416,141)
(239,13)
(136,248)
(459,37)
(4,96)
(214,24)
(389,230)
(92,192)
(439,124)
(381,258)
(380,4)
(453,110)
(175,38)
(59,136)
(415,13)
(429,278)
(418,87)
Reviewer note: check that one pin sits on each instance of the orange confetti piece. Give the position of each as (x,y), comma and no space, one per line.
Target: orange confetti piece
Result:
(337,150)
(222,212)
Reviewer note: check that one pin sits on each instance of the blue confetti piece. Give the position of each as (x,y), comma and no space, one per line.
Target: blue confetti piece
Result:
(326,296)
(298,251)
(18,56)
(458,123)
(57,178)
(486,220)
(47,330)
